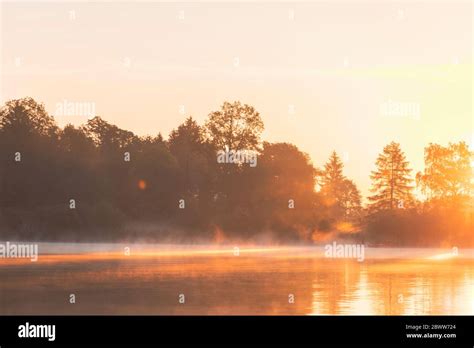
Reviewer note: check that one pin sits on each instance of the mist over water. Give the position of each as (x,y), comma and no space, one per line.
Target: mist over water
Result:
(217,280)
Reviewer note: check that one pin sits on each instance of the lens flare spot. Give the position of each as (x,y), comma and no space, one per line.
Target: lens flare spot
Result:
(142,184)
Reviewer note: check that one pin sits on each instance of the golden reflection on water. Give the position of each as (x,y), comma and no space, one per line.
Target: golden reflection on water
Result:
(399,288)
(258,281)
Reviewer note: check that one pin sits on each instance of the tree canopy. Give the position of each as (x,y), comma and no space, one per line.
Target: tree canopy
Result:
(100,182)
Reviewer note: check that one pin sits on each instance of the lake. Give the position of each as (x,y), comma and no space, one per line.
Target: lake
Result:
(222,280)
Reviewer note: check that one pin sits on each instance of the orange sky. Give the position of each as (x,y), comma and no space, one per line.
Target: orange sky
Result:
(323,75)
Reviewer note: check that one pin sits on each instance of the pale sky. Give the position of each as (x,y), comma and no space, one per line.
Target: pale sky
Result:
(323,75)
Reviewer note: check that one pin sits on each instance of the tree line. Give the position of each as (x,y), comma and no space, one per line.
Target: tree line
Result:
(101,182)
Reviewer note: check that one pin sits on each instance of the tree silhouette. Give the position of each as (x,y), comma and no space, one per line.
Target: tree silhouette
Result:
(282,194)
(187,144)
(391,180)
(350,199)
(340,193)
(196,171)
(125,186)
(25,117)
(235,126)
(27,131)
(332,176)
(448,171)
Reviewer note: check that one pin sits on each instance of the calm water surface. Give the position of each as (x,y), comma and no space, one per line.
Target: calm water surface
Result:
(215,281)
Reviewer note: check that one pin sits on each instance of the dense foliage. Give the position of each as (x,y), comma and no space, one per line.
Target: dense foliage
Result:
(100,182)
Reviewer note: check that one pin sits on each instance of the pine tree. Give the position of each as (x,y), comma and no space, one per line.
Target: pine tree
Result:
(332,176)
(340,192)
(391,181)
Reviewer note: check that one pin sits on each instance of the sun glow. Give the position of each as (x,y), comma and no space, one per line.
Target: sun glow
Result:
(443,256)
